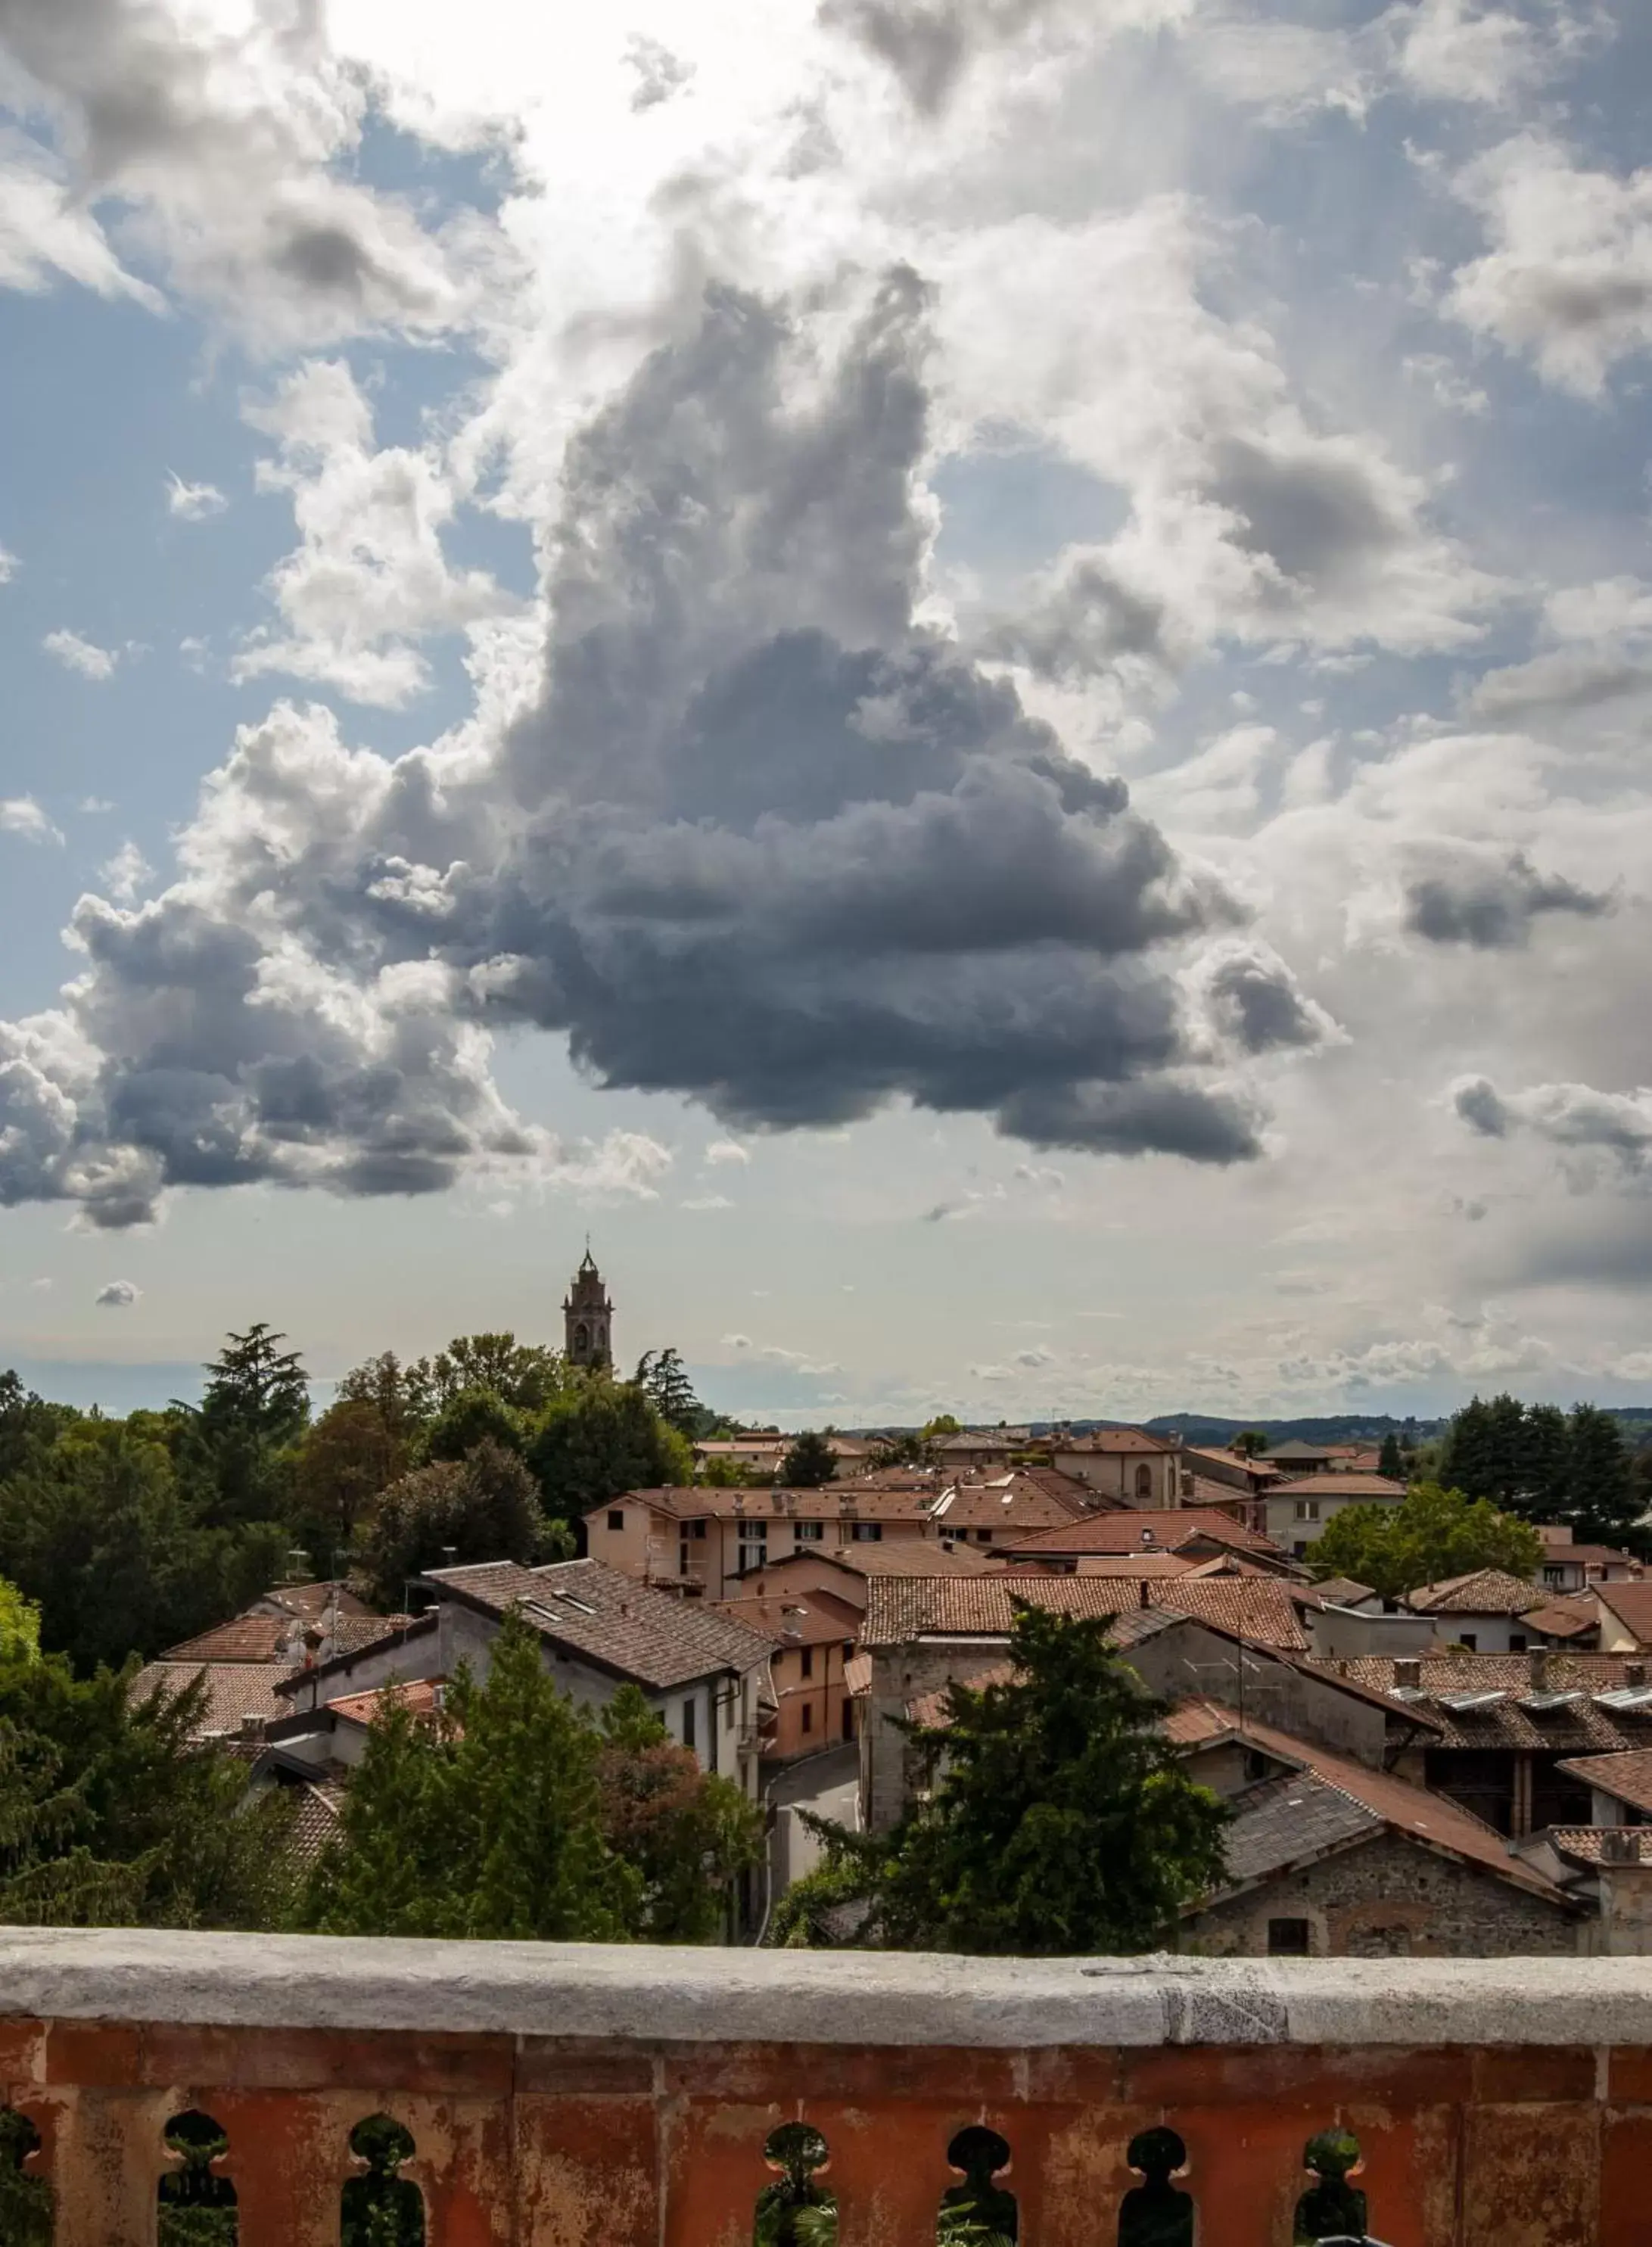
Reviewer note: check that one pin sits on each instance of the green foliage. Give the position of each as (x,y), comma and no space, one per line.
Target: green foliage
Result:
(810,1462)
(474,1416)
(686,1833)
(516,1815)
(1539,1463)
(662,1379)
(795,2210)
(599,1439)
(484,1507)
(25,2202)
(725,1474)
(112,1815)
(1390,1460)
(19,1626)
(1431,1534)
(96,1528)
(525,1375)
(1250,1443)
(1062,1822)
(26,1422)
(351,1454)
(383,2208)
(944,1423)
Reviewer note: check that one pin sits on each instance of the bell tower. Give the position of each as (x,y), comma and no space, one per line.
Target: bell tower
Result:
(588,1318)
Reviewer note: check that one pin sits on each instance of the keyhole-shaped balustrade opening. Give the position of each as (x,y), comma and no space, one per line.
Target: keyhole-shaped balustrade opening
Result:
(979,2212)
(796,2209)
(1332,2208)
(26,2201)
(196,2202)
(382,2209)
(1156,2212)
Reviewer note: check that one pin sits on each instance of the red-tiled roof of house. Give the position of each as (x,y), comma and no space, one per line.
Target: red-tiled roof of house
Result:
(420,1696)
(617,1623)
(1255,1608)
(931,1709)
(1334,1591)
(316,1820)
(1502,1684)
(1632,1604)
(1262,1470)
(833,1501)
(311,1602)
(1007,1504)
(1626,1776)
(243,1638)
(858,1676)
(1592,1556)
(901,1556)
(1115,1440)
(1481,1591)
(1338,1484)
(236,1691)
(1130,1565)
(1571,1615)
(1140,1529)
(1196,1722)
(1585,1845)
(806,1619)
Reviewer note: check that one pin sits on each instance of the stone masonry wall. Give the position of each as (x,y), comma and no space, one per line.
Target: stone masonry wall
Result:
(1390,1898)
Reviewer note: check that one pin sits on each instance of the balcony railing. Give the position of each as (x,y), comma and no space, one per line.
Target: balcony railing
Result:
(594,2097)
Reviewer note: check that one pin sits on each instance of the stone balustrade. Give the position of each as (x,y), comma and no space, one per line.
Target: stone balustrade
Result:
(573,2096)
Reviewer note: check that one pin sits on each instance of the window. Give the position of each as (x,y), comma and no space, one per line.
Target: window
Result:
(1470,1639)
(809,1533)
(983,1536)
(753,1546)
(688,1723)
(1256,1764)
(806,1661)
(1554,1575)
(867,1532)
(1307,1509)
(1288,1938)
(1144,1483)
(1516,1641)
(700,1529)
(616,1517)
(809,1718)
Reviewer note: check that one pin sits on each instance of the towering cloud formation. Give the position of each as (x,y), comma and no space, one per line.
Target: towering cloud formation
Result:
(762,839)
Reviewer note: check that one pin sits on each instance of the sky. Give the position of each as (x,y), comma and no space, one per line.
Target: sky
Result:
(970,677)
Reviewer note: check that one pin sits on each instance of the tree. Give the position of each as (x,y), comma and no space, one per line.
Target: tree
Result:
(19,1626)
(599,1439)
(1430,1535)
(483,1819)
(1486,1452)
(1062,1822)
(474,1416)
(944,1423)
(1250,1443)
(1390,1460)
(233,1450)
(810,1462)
(526,1376)
(347,1456)
(112,1814)
(257,1389)
(453,1511)
(1602,1503)
(663,1380)
(384,1382)
(686,1833)
(26,1421)
(98,1530)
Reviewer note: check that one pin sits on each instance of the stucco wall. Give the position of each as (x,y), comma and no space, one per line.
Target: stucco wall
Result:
(1389,1898)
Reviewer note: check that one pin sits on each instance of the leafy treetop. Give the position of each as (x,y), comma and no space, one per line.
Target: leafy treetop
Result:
(1430,1535)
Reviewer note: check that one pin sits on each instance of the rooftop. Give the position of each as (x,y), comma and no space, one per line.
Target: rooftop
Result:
(611,1620)
(1626,1776)
(236,1691)
(1632,1605)
(1482,1591)
(1136,1528)
(807,1619)
(1493,1700)
(1127,1440)
(1257,1608)
(1337,1486)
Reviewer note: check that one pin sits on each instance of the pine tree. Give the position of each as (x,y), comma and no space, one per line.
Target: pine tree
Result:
(1602,1504)
(1390,1459)
(663,1380)
(810,1462)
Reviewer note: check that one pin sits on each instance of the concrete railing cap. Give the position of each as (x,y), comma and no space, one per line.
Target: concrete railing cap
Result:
(854,1997)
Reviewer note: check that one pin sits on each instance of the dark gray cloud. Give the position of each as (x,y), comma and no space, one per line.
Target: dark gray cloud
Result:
(764,841)
(1577,1120)
(1320,519)
(1489,901)
(1565,680)
(928,44)
(1081,625)
(1477,1101)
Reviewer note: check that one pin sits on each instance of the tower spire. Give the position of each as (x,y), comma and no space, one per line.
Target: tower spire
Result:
(588,1316)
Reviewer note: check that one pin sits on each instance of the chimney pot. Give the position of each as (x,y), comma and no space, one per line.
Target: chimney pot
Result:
(1620,1845)
(1635,1673)
(1408,1670)
(1537,1662)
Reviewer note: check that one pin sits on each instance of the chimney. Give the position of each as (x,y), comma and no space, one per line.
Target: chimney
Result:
(1537,1664)
(1635,1673)
(1187,1483)
(1620,1845)
(1408,1671)
(1142,1599)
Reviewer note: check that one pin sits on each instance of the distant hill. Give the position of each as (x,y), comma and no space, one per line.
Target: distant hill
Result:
(1326,1428)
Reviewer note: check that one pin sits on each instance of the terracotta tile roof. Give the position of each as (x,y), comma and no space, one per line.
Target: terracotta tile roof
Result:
(1412,1810)
(1196,1722)
(244,1638)
(1482,1591)
(236,1691)
(1334,1591)
(1632,1605)
(624,1626)
(1338,1485)
(399,1627)
(1008,1503)
(1141,1528)
(1061,1484)
(833,1501)
(1626,1776)
(806,1619)
(1262,1469)
(1285,1821)
(1115,1440)
(418,1695)
(905,1556)
(971,1439)
(1517,1717)
(1132,1565)
(317,1820)
(858,1675)
(311,1602)
(1257,1608)
(1584,1842)
(1592,1556)
(1566,1617)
